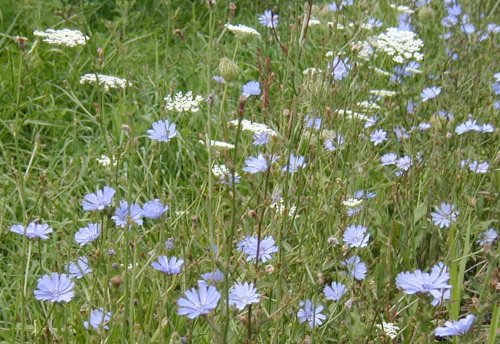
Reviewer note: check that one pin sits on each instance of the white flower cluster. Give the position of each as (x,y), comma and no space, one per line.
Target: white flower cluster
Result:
(219,144)
(363,48)
(352,114)
(313,22)
(401,45)
(67,37)
(224,174)
(242,30)
(220,170)
(352,202)
(106,80)
(254,127)
(280,208)
(383,93)
(106,161)
(389,328)
(368,105)
(312,71)
(183,102)
(402,9)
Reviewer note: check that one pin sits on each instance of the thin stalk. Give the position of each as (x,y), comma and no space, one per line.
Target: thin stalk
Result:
(230,237)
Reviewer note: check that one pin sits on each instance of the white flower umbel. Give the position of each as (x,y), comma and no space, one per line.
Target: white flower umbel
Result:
(389,328)
(183,102)
(106,161)
(383,93)
(67,37)
(363,48)
(368,105)
(242,30)
(220,170)
(281,208)
(402,9)
(254,127)
(219,144)
(105,80)
(352,114)
(401,45)
(352,202)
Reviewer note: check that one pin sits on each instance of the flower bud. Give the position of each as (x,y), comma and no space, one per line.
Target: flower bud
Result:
(228,69)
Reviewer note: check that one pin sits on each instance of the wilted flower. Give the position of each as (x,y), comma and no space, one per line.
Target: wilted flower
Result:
(243,294)
(98,319)
(55,288)
(198,302)
(311,313)
(33,230)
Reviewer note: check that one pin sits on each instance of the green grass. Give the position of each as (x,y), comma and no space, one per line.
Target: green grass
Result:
(53,129)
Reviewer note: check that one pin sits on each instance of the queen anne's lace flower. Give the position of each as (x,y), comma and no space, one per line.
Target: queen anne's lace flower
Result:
(241,30)
(105,80)
(183,102)
(67,37)
(219,144)
(254,127)
(401,45)
(389,328)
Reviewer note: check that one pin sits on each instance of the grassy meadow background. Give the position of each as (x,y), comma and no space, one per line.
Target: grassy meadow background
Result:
(53,130)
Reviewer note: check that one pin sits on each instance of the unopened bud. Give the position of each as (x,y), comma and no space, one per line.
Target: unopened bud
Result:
(228,69)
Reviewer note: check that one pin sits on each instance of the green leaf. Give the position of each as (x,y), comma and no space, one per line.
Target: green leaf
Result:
(419,212)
